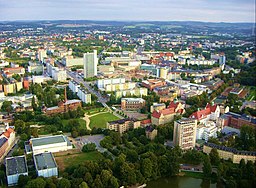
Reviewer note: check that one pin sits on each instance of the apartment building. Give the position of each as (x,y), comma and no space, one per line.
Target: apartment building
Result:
(123,125)
(184,134)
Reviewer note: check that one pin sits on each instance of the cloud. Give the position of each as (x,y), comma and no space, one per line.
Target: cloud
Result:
(202,10)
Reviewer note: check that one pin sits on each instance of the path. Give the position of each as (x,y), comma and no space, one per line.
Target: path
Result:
(87,119)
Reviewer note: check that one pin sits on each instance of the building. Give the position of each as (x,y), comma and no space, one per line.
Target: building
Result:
(184,133)
(50,144)
(166,115)
(63,106)
(123,125)
(35,67)
(73,86)
(101,84)
(138,92)
(151,84)
(70,61)
(60,75)
(157,107)
(3,146)
(14,70)
(106,69)
(90,64)
(41,55)
(121,86)
(84,95)
(227,153)
(132,104)
(236,120)
(151,133)
(206,130)
(210,112)
(15,166)
(46,165)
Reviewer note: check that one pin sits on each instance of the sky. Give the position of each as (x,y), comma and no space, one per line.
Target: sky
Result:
(129,10)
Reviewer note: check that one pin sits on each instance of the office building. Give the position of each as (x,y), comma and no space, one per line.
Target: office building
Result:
(84,95)
(132,103)
(184,133)
(15,166)
(102,83)
(45,165)
(90,64)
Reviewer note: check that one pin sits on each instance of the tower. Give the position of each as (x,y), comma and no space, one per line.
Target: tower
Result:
(90,64)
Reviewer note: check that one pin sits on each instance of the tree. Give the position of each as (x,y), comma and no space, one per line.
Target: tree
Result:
(248,138)
(6,106)
(146,168)
(88,178)
(214,157)
(64,183)
(105,177)
(89,147)
(97,182)
(34,105)
(36,183)
(207,167)
(83,185)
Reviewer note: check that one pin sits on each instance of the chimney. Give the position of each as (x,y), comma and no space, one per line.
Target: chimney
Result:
(65,94)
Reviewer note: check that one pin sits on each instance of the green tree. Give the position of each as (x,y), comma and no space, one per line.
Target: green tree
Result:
(207,167)
(83,185)
(146,168)
(6,106)
(36,183)
(89,147)
(214,157)
(64,183)
(97,182)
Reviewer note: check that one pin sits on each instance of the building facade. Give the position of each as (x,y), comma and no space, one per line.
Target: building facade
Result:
(184,134)
(132,104)
(90,64)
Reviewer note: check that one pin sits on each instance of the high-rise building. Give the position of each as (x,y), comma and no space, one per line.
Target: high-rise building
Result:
(90,64)
(184,134)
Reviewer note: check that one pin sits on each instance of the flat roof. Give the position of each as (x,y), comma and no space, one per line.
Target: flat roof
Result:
(16,165)
(44,161)
(48,140)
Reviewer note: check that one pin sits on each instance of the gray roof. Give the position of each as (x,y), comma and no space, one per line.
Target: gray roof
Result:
(48,140)
(16,165)
(44,161)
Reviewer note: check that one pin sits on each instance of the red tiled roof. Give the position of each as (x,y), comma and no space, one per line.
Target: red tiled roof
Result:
(146,121)
(8,132)
(166,111)
(204,112)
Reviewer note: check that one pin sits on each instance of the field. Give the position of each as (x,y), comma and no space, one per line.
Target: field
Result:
(76,159)
(95,111)
(100,121)
(252,94)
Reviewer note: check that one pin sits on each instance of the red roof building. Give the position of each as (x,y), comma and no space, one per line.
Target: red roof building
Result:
(210,112)
(160,117)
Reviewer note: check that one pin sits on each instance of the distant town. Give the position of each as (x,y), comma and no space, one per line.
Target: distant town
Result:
(95,104)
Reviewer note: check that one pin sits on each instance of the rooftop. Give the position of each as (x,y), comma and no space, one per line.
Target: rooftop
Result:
(44,161)
(48,140)
(16,165)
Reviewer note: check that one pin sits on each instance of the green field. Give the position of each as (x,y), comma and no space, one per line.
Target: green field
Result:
(100,121)
(252,94)
(95,111)
(76,159)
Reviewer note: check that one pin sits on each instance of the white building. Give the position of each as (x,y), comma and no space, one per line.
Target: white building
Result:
(201,62)
(15,166)
(35,67)
(103,82)
(59,75)
(206,130)
(73,86)
(41,55)
(50,144)
(84,95)
(40,79)
(69,61)
(90,64)
(45,165)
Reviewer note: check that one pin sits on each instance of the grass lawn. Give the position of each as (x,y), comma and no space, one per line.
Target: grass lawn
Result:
(95,111)
(81,122)
(76,159)
(198,175)
(100,121)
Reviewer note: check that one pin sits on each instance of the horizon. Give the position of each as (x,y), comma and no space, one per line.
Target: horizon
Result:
(51,20)
(229,11)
